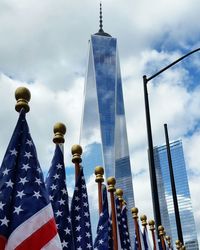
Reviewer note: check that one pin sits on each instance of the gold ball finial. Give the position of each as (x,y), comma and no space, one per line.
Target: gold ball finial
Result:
(178,244)
(22,96)
(59,130)
(119,192)
(76,153)
(99,172)
(143,219)
(111,184)
(161,230)
(134,212)
(152,225)
(168,239)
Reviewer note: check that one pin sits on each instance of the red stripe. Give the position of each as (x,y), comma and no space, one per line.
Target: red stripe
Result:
(3,241)
(40,238)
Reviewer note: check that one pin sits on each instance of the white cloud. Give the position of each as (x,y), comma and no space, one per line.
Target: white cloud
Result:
(47,108)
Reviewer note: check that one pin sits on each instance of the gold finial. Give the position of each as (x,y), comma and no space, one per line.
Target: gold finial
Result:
(168,239)
(76,153)
(119,192)
(178,244)
(143,219)
(59,130)
(161,230)
(111,184)
(152,225)
(22,96)
(134,212)
(99,172)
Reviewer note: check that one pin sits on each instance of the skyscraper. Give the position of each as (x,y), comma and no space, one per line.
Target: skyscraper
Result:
(183,194)
(103,132)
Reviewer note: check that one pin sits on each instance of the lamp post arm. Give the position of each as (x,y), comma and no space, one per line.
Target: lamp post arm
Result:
(171,64)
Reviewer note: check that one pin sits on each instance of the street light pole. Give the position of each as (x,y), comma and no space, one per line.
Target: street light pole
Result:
(152,171)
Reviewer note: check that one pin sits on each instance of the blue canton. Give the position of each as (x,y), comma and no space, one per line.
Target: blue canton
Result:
(57,189)
(80,216)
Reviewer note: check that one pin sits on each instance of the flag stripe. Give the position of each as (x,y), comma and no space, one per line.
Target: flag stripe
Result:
(2,242)
(29,227)
(53,244)
(40,238)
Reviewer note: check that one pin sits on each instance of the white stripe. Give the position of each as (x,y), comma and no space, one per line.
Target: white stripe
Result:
(54,244)
(141,240)
(147,239)
(27,228)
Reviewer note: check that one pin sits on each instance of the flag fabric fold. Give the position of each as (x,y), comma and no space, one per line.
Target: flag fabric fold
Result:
(146,240)
(26,215)
(136,246)
(122,222)
(58,195)
(103,229)
(80,215)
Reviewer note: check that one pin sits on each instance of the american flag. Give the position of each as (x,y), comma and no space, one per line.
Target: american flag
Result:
(147,244)
(122,222)
(80,216)
(26,215)
(104,227)
(57,189)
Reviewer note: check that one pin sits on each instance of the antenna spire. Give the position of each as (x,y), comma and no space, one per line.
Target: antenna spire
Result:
(101,19)
(101,31)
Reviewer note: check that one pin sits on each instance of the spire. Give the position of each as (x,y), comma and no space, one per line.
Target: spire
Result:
(101,19)
(101,32)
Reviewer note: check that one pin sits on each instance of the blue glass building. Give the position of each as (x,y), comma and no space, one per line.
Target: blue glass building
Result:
(103,131)
(183,194)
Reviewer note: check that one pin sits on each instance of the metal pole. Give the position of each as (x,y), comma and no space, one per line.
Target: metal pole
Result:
(99,171)
(134,211)
(111,189)
(174,194)
(152,171)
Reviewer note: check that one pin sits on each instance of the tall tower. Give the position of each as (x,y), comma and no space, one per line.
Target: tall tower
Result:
(182,190)
(103,132)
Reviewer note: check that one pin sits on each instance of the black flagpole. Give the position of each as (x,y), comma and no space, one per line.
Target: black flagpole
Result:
(174,194)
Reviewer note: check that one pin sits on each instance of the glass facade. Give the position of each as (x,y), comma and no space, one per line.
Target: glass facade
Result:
(103,131)
(183,194)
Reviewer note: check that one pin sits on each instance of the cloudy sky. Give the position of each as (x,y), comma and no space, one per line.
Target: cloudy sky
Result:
(44,45)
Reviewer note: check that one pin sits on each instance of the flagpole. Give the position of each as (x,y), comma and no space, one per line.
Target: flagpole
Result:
(152,229)
(99,172)
(161,232)
(76,159)
(119,192)
(134,211)
(37,200)
(111,188)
